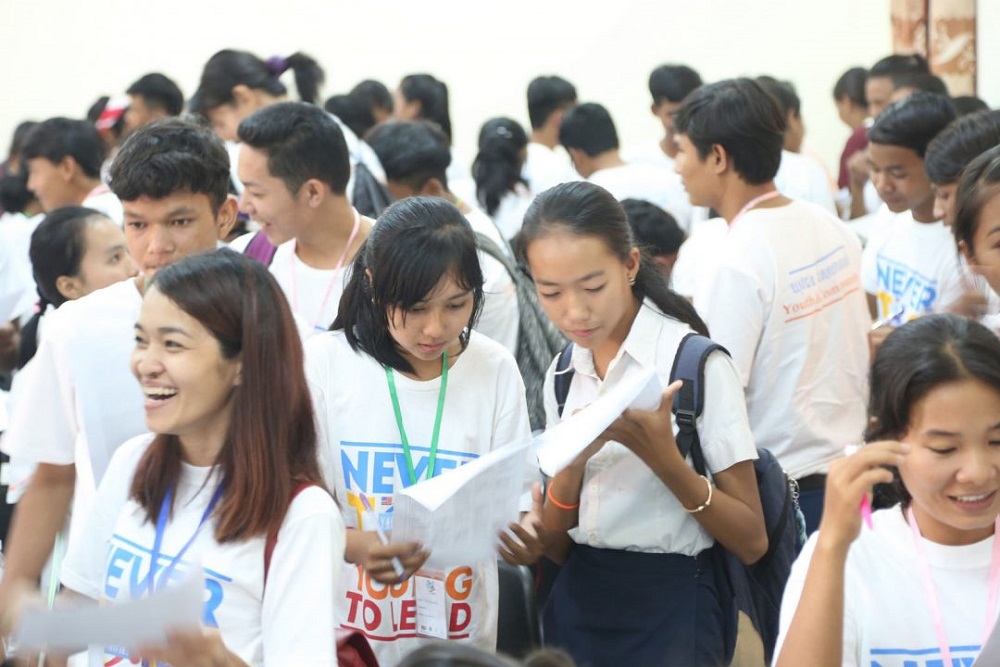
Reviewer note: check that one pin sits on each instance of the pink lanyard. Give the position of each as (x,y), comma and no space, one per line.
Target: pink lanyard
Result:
(753,202)
(329,288)
(932,598)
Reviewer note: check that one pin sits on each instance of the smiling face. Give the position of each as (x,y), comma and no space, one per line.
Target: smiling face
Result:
(953,469)
(583,287)
(160,232)
(187,382)
(266,199)
(899,176)
(423,332)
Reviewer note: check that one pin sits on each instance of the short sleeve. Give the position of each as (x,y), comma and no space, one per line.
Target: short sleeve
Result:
(44,425)
(300,593)
(512,424)
(316,367)
(724,428)
(86,558)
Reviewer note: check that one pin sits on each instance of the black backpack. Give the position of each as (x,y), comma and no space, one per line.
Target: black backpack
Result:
(754,589)
(538,339)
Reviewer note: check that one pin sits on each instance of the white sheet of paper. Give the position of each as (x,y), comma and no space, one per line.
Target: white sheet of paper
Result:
(130,623)
(989,656)
(458,514)
(639,388)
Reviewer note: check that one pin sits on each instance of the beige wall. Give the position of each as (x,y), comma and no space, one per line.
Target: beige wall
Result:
(60,55)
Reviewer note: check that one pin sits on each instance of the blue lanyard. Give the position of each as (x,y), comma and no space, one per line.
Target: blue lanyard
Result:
(161,527)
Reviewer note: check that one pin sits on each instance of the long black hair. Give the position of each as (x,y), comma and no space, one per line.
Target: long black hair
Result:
(416,242)
(585,209)
(497,167)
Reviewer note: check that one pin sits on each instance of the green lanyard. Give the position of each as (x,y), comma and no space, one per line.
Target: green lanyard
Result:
(437,419)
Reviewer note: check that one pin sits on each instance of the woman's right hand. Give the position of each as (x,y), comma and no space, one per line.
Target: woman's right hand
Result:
(848,483)
(376,558)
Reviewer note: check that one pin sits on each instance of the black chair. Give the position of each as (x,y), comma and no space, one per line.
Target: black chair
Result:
(519,628)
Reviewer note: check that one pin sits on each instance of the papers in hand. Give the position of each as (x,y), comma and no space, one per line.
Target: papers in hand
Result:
(131,623)
(457,515)
(639,388)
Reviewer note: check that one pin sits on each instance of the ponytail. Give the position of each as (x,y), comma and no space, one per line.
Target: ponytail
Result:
(497,167)
(309,76)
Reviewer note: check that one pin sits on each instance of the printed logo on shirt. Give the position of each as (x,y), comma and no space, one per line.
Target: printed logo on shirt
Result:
(126,576)
(961,656)
(389,612)
(900,285)
(820,284)
(372,469)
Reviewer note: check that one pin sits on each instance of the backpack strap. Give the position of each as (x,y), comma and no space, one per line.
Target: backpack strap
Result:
(564,376)
(689,401)
(272,536)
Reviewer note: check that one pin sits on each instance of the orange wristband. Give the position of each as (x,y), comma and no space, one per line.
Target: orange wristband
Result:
(558,504)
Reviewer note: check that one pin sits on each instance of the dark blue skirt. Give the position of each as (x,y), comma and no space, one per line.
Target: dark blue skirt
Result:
(611,607)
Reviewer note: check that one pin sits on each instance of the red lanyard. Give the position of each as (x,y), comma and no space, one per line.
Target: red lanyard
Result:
(932,598)
(316,323)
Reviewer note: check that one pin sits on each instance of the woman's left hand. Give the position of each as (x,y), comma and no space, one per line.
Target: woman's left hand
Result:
(649,434)
(192,647)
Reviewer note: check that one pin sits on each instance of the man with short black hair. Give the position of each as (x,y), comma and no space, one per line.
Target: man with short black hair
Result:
(295,165)
(548,99)
(785,296)
(152,97)
(589,136)
(668,85)
(64,159)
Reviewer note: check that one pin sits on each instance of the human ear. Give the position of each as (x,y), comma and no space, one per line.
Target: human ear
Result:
(963,248)
(432,188)
(313,191)
(718,158)
(70,287)
(242,95)
(67,168)
(225,219)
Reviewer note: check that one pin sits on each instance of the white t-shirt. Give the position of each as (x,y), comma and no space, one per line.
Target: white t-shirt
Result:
(104,200)
(547,167)
(17,284)
(361,453)
(698,256)
(911,266)
(650,153)
(623,504)
(289,622)
(80,401)
(313,294)
(801,177)
(509,216)
(887,618)
(500,316)
(652,184)
(787,303)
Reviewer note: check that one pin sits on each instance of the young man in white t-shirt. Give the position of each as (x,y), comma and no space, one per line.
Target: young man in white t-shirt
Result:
(64,159)
(547,165)
(415,156)
(910,266)
(81,401)
(590,137)
(785,298)
(669,85)
(294,166)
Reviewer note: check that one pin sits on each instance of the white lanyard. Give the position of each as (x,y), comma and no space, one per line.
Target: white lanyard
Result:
(329,288)
(932,598)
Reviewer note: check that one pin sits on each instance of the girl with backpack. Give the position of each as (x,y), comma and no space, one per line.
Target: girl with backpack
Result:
(404,390)
(638,523)
(922,578)
(228,479)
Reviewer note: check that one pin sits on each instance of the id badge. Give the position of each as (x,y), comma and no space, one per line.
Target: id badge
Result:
(432,617)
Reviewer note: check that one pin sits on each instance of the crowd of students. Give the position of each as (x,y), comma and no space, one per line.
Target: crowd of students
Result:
(253,409)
